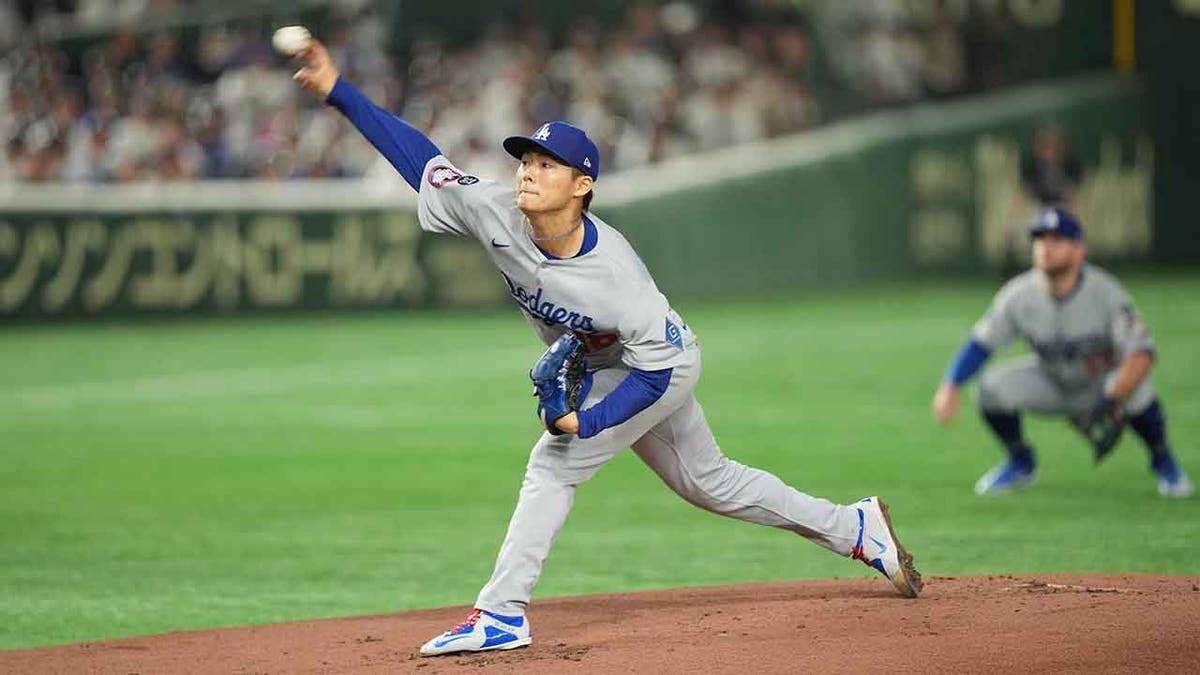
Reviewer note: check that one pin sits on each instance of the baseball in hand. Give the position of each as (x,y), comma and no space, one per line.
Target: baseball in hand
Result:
(291,40)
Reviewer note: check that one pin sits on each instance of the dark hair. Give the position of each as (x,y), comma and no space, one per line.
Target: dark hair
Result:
(587,199)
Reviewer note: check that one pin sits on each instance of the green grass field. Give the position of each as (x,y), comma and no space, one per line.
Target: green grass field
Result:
(161,476)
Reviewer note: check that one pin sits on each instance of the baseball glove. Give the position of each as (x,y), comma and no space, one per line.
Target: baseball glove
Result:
(1101,426)
(558,380)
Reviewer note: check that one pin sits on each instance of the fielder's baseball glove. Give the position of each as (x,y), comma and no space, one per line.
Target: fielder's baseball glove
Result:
(558,380)
(1102,426)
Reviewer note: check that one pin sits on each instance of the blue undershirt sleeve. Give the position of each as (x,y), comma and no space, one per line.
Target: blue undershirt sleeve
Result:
(637,391)
(967,362)
(403,145)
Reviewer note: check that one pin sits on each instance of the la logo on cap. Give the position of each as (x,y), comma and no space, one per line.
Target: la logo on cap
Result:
(1050,219)
(543,133)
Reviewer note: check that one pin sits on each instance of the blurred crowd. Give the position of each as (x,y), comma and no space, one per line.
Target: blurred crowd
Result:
(668,80)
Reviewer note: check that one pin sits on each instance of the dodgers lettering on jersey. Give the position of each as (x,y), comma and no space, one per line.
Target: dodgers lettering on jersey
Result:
(606,295)
(545,311)
(1077,339)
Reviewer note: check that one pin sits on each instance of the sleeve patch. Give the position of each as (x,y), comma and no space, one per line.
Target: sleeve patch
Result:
(673,335)
(441,174)
(1134,323)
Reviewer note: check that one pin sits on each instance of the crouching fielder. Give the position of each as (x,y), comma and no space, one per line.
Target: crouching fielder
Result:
(1091,361)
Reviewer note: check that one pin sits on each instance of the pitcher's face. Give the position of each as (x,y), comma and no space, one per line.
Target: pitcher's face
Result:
(545,184)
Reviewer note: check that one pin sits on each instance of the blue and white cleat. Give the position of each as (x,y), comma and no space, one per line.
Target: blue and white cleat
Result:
(1172,481)
(879,548)
(1007,477)
(481,632)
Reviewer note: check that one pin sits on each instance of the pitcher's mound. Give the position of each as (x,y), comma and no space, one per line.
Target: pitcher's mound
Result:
(1000,624)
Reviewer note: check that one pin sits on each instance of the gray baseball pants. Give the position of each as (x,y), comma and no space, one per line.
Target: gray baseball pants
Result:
(1021,384)
(674,440)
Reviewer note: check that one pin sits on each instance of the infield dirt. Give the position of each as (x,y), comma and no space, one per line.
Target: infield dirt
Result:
(999,624)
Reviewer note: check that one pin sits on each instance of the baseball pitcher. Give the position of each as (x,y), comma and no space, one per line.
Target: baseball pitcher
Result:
(620,369)
(1091,359)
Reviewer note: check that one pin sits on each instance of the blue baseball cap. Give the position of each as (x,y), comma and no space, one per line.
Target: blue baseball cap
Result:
(565,142)
(1056,221)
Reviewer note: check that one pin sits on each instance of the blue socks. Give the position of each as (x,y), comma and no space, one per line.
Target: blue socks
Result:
(1151,426)
(1007,426)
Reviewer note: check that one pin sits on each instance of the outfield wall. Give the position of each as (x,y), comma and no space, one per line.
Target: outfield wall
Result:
(177,259)
(930,189)
(924,190)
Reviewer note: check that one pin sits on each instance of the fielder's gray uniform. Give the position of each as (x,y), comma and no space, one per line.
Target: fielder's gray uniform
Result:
(607,297)
(1077,343)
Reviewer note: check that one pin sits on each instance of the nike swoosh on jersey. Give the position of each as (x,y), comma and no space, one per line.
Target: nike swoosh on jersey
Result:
(498,244)
(882,546)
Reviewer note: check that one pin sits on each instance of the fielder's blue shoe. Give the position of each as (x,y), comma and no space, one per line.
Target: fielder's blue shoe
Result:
(1006,477)
(1172,481)
(481,632)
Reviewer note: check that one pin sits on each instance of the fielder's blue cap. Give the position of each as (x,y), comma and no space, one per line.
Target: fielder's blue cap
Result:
(1056,221)
(565,142)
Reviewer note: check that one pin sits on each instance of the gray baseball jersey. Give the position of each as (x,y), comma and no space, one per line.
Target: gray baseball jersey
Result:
(1078,339)
(606,296)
